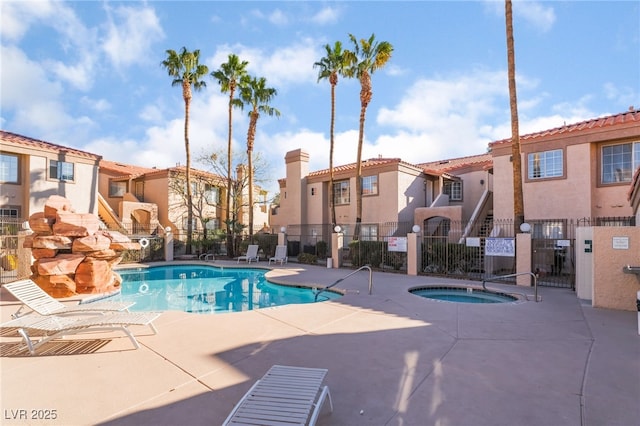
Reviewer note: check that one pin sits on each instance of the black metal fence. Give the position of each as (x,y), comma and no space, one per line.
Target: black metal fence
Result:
(9,229)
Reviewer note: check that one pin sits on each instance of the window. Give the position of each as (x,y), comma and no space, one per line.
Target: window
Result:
(369,185)
(369,232)
(10,212)
(9,168)
(211,194)
(117,189)
(453,188)
(341,192)
(60,170)
(619,162)
(545,164)
(185,223)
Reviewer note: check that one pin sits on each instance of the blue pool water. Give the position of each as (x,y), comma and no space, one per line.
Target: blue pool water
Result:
(463,295)
(208,289)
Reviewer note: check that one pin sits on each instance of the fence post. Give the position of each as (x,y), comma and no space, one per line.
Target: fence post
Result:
(523,259)
(414,253)
(336,248)
(24,256)
(168,244)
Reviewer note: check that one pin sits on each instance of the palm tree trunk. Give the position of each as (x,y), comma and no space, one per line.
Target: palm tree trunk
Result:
(230,251)
(186,93)
(332,206)
(250,139)
(518,198)
(365,98)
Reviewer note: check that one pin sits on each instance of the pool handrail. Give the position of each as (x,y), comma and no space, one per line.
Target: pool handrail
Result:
(344,278)
(498,277)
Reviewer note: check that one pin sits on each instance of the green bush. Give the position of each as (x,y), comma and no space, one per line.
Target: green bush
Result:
(308,258)
(321,249)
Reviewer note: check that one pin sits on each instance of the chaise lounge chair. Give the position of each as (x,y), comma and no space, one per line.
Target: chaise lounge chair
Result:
(252,254)
(280,255)
(36,299)
(284,395)
(53,326)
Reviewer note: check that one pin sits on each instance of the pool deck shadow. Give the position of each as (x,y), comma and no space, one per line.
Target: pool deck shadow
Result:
(394,358)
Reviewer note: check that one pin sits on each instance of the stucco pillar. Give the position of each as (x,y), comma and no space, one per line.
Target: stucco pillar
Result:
(282,239)
(168,246)
(413,253)
(523,259)
(337,240)
(24,256)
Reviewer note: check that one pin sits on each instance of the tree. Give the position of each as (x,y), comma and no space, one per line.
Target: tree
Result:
(518,198)
(330,67)
(229,76)
(254,92)
(186,71)
(366,58)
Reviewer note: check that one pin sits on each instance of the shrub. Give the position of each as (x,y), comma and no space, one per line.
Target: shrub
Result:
(308,258)
(322,248)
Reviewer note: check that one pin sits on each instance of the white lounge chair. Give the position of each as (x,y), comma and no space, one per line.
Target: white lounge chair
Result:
(207,256)
(35,298)
(284,395)
(252,254)
(54,326)
(280,255)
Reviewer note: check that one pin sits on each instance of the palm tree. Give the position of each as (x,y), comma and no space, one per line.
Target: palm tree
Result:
(329,68)
(518,198)
(254,92)
(229,76)
(367,57)
(185,69)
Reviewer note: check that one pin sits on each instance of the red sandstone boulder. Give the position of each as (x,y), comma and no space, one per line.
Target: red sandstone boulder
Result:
(76,224)
(95,242)
(45,253)
(124,246)
(28,241)
(40,224)
(56,285)
(62,264)
(56,204)
(115,236)
(107,254)
(93,276)
(52,242)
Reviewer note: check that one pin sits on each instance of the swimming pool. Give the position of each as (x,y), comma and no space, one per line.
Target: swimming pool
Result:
(208,289)
(463,295)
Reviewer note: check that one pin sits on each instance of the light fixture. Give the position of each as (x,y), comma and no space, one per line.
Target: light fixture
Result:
(25,225)
(338,229)
(481,181)
(416,228)
(167,229)
(525,227)
(283,229)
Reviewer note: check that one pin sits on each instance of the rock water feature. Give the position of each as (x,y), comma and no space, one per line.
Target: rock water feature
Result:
(72,255)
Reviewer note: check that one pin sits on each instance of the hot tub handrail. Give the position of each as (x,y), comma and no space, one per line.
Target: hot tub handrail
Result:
(499,277)
(345,277)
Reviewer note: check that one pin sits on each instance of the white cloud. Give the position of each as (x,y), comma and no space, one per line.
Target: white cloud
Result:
(277,17)
(130,35)
(327,15)
(534,13)
(17,17)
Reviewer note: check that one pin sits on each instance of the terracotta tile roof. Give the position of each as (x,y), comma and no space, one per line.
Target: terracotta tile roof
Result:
(365,164)
(27,142)
(626,118)
(125,170)
(444,166)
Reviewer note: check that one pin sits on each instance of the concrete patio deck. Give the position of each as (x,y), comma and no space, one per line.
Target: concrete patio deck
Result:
(393,358)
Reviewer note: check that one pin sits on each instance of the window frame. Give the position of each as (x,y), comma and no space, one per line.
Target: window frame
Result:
(364,185)
(10,167)
(625,175)
(338,188)
(546,164)
(456,186)
(57,170)
(117,184)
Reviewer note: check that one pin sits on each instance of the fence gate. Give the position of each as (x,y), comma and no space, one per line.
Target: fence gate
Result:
(553,260)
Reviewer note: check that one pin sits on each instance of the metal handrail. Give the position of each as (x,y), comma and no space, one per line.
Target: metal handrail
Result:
(498,277)
(344,278)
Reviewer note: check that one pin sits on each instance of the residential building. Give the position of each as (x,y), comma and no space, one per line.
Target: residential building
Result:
(32,170)
(575,171)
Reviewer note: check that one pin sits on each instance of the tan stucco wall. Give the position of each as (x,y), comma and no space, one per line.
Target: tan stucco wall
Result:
(612,288)
(83,192)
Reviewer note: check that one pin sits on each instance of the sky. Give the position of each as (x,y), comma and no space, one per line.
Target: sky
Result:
(87,75)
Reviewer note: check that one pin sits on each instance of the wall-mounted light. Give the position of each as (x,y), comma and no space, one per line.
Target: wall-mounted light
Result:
(525,227)
(283,229)
(26,226)
(416,228)
(338,229)
(481,181)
